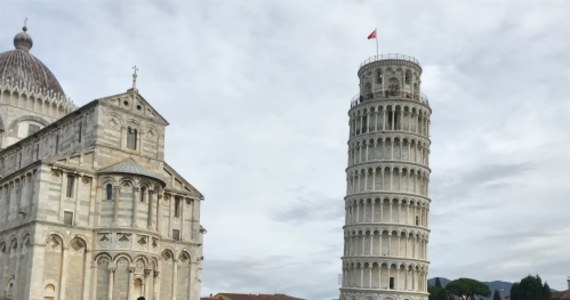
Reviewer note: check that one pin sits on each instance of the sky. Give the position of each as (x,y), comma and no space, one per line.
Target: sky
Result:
(257,94)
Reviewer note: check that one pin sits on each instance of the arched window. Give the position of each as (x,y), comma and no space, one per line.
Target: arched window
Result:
(143,191)
(393,86)
(379,76)
(408,77)
(109,191)
(368,90)
(132,138)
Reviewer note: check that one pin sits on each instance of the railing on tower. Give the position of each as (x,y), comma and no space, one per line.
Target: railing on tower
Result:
(358,98)
(390,56)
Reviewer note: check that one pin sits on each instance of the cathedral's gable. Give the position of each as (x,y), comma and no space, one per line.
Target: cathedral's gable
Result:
(134,103)
(177,182)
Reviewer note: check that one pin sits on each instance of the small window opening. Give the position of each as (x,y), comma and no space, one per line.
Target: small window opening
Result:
(56,142)
(37,151)
(176,234)
(80,131)
(364,124)
(143,191)
(68,218)
(417,220)
(379,76)
(109,191)
(70,183)
(132,138)
(177,208)
(408,77)
(368,90)
(392,281)
(396,121)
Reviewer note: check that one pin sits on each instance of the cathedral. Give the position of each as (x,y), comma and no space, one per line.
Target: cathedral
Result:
(89,209)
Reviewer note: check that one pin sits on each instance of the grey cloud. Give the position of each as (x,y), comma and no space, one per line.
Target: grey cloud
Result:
(287,276)
(257,93)
(488,177)
(310,207)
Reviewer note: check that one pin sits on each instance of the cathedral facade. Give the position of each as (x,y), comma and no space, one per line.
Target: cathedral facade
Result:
(89,209)
(387,201)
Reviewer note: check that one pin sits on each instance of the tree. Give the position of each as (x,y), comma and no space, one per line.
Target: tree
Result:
(468,288)
(546,291)
(515,291)
(436,292)
(497,295)
(530,288)
(438,283)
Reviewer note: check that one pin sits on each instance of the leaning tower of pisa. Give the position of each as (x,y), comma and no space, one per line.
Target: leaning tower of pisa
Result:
(387,204)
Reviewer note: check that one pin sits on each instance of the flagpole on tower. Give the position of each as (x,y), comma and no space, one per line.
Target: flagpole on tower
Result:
(376,45)
(373,36)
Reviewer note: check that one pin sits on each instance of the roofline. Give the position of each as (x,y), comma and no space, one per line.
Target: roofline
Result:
(185,181)
(51,126)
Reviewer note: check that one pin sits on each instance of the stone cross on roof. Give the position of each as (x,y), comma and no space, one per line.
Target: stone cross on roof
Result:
(135,77)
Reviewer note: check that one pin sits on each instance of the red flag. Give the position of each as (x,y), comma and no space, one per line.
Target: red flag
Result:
(372,35)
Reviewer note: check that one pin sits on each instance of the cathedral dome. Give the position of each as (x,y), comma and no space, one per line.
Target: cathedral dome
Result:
(20,69)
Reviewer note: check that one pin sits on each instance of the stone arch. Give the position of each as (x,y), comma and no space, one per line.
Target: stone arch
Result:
(53,256)
(393,86)
(3,247)
(126,184)
(26,243)
(108,184)
(166,272)
(183,273)
(122,271)
(367,92)
(379,75)
(104,263)
(154,263)
(138,285)
(134,123)
(9,287)
(50,291)
(76,264)
(28,118)
(141,259)
(408,76)
(122,255)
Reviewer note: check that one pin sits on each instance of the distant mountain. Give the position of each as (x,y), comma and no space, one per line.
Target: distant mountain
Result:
(503,287)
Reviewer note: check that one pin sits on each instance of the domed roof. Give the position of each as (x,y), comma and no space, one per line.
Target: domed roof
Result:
(19,68)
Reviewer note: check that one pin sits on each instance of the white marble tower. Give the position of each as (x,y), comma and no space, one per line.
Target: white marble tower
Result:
(386,229)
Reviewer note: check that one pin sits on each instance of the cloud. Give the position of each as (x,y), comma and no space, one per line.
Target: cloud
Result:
(309,207)
(287,276)
(257,95)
